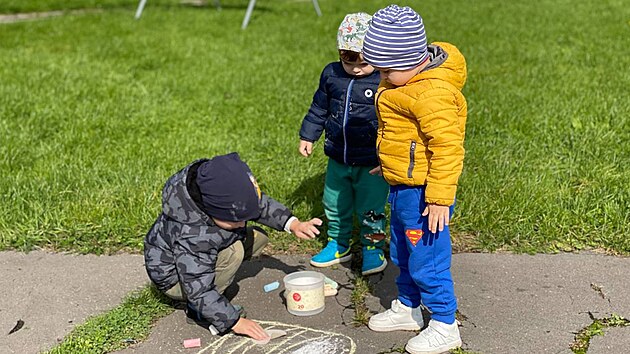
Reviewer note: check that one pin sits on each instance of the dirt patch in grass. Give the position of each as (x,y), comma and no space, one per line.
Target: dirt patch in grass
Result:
(34,16)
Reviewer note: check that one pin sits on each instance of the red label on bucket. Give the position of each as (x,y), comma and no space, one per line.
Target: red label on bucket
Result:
(297,297)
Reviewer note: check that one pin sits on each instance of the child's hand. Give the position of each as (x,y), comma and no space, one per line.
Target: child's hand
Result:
(438,216)
(376,171)
(306,148)
(250,328)
(305,230)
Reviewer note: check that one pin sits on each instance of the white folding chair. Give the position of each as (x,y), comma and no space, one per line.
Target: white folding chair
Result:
(252,3)
(217,3)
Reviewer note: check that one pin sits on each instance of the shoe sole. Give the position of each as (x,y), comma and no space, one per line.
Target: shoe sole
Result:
(377,269)
(444,349)
(408,327)
(343,259)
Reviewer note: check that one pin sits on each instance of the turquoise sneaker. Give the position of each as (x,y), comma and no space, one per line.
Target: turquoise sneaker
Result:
(333,253)
(373,260)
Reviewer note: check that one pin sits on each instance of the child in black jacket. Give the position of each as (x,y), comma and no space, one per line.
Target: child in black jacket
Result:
(343,107)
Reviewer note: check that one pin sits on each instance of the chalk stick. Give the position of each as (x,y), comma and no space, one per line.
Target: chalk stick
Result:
(276,333)
(261,342)
(192,343)
(333,284)
(271,286)
(329,290)
(273,334)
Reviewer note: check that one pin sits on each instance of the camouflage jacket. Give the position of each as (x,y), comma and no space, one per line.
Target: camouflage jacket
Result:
(183,244)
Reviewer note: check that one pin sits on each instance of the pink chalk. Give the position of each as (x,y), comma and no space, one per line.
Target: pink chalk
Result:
(192,343)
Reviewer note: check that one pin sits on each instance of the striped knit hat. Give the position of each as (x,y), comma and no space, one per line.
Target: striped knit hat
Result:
(395,39)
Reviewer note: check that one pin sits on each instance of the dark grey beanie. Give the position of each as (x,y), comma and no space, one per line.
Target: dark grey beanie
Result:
(228,189)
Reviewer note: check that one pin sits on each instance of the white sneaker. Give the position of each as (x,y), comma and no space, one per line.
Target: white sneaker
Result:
(438,337)
(398,318)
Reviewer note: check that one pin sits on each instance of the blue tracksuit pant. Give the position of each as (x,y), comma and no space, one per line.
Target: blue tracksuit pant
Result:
(424,258)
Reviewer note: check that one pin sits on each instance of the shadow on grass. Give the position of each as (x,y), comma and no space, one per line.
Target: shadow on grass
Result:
(308,196)
(160,297)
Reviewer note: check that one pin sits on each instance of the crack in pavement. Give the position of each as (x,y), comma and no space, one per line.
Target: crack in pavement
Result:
(596,328)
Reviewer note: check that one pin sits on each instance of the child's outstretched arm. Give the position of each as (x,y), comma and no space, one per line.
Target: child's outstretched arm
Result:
(279,217)
(250,328)
(305,230)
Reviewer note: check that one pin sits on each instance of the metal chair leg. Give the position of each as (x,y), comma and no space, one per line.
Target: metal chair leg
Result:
(140,8)
(248,14)
(316,6)
(217,4)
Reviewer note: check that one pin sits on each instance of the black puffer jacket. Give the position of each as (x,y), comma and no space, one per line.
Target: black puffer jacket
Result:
(343,106)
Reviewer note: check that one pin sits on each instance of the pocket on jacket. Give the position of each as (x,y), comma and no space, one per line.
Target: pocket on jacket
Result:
(412,158)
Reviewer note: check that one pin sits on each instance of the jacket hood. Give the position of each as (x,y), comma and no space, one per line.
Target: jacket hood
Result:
(177,203)
(447,63)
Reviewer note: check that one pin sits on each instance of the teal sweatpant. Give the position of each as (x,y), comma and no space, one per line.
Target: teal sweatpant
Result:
(351,190)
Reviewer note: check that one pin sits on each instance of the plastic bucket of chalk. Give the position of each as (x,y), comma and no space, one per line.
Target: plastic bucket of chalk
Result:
(304,292)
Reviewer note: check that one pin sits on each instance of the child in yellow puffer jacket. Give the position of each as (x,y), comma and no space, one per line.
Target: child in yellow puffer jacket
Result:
(422,117)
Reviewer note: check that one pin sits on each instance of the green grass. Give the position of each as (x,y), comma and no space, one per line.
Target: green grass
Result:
(461,351)
(98,110)
(124,325)
(361,312)
(596,328)
(21,6)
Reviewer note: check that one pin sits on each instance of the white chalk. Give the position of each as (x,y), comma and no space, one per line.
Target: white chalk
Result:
(273,334)
(329,290)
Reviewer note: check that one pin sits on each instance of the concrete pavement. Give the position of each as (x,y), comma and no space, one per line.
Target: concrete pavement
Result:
(508,304)
(52,293)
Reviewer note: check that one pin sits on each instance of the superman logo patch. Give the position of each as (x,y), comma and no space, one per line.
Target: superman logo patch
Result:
(414,236)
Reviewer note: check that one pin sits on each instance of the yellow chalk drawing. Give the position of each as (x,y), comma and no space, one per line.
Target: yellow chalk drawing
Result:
(299,340)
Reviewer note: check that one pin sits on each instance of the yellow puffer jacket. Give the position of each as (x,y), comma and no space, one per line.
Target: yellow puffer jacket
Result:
(422,126)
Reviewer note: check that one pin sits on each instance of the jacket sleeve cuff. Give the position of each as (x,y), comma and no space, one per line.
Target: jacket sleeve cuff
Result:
(230,324)
(287,225)
(444,202)
(224,326)
(440,194)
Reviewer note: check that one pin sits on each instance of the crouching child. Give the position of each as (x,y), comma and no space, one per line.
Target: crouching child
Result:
(198,242)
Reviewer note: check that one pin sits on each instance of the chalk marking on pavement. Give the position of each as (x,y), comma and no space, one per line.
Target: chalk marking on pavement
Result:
(286,340)
(293,333)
